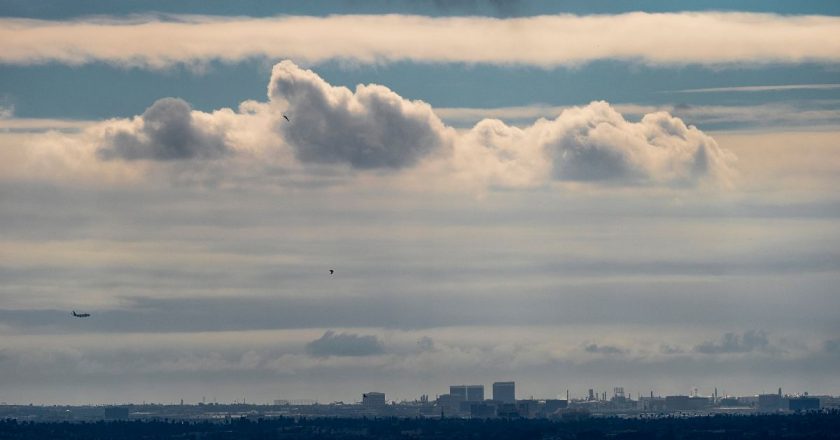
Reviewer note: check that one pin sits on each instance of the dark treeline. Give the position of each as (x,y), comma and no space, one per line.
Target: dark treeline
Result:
(825,425)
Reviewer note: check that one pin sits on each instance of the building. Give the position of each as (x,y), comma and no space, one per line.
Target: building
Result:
(529,408)
(552,405)
(475,393)
(730,402)
(116,413)
(458,392)
(449,405)
(686,403)
(467,393)
(507,411)
(771,402)
(804,403)
(482,410)
(373,400)
(504,392)
(652,404)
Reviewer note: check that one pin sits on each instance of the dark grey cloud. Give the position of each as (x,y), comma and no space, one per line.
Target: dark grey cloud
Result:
(345,344)
(670,349)
(832,346)
(426,344)
(603,349)
(747,342)
(372,127)
(167,131)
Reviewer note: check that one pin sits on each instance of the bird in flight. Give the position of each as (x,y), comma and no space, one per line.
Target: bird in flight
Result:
(332,271)
(80,315)
(286,118)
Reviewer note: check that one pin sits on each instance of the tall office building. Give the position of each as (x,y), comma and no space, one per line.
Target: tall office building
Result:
(504,392)
(475,393)
(467,393)
(458,392)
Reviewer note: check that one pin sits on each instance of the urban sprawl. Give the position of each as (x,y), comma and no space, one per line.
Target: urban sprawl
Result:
(462,401)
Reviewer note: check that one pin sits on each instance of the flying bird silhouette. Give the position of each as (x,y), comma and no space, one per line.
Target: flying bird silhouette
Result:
(286,118)
(332,271)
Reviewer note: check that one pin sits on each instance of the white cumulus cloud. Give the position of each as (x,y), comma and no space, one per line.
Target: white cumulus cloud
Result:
(594,143)
(374,128)
(165,131)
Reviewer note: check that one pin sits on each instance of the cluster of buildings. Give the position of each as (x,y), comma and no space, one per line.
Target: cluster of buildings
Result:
(462,401)
(762,403)
(470,401)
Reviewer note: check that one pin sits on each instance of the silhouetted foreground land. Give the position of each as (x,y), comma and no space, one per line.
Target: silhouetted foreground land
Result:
(824,425)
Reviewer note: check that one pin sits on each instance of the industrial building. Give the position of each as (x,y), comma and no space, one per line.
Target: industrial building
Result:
(686,403)
(771,402)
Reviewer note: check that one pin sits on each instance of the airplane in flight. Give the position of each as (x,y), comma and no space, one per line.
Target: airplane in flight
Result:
(80,315)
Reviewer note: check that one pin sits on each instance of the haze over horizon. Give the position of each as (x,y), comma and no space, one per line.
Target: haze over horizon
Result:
(562,194)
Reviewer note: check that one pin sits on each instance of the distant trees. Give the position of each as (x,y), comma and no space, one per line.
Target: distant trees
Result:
(817,425)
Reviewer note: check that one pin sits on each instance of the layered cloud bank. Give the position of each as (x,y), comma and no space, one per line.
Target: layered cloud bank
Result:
(308,124)
(246,361)
(704,38)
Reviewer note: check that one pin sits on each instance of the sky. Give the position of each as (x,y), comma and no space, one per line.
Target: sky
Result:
(569,195)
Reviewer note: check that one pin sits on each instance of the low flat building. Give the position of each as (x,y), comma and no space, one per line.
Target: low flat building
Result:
(508,411)
(652,404)
(730,402)
(482,410)
(529,408)
(686,403)
(804,403)
(552,405)
(771,402)
(373,400)
(116,413)
(449,405)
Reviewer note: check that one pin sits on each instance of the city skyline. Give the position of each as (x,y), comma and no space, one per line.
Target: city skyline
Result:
(462,402)
(321,199)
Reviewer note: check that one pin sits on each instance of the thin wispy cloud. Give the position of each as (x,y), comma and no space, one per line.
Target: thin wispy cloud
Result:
(772,88)
(6,112)
(35,125)
(709,38)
